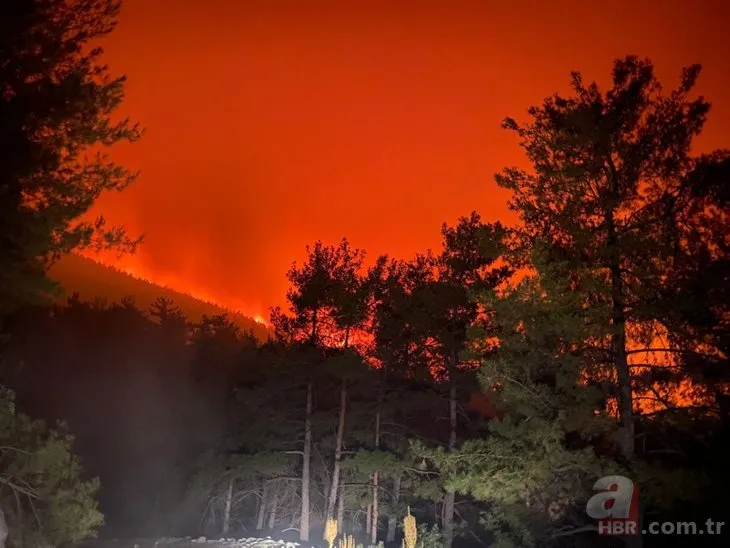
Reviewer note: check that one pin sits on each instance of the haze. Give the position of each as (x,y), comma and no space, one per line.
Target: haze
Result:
(273,124)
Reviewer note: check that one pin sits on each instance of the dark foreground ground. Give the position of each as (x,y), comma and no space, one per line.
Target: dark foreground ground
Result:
(189,542)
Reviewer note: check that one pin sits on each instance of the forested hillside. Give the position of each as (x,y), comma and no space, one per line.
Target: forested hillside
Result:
(509,388)
(94,281)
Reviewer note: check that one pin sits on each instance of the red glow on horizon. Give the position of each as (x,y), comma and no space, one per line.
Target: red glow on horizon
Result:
(270,125)
(180,285)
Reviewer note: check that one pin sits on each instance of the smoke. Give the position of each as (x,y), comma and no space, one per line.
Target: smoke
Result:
(270,125)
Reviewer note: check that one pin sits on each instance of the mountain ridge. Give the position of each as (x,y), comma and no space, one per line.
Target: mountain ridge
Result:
(91,280)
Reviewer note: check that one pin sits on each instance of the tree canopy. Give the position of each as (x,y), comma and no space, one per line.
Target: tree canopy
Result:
(480,389)
(57,119)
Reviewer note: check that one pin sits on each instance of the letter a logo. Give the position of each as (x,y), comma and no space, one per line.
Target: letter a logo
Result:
(615,506)
(613,500)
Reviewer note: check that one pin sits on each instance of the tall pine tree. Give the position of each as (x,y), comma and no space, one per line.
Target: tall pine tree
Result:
(57,111)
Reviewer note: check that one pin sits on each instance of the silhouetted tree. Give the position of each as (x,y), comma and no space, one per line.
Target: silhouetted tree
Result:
(56,110)
(446,308)
(612,176)
(611,212)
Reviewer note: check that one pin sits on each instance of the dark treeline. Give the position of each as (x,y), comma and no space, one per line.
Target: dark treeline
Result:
(198,428)
(484,387)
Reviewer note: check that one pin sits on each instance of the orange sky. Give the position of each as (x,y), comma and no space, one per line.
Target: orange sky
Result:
(271,124)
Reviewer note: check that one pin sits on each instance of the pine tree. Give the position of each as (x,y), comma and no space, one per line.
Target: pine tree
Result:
(611,181)
(56,114)
(326,307)
(43,497)
(441,311)
(606,215)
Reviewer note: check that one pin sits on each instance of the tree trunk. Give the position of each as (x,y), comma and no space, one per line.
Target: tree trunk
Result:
(261,516)
(392,520)
(341,509)
(618,319)
(627,438)
(3,529)
(376,474)
(374,524)
(313,334)
(450,498)
(369,518)
(227,510)
(274,508)
(306,458)
(618,349)
(338,452)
